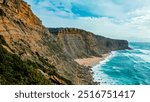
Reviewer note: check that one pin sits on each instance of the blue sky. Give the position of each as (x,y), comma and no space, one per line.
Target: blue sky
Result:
(119,19)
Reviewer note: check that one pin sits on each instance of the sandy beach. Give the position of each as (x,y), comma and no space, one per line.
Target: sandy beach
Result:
(89,62)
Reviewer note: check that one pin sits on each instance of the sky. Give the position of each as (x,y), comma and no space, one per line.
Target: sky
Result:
(118,19)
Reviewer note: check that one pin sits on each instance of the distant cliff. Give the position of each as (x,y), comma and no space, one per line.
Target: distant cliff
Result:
(80,44)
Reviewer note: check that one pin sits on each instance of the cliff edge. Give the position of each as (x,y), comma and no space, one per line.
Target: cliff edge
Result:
(25,37)
(30,54)
(79,43)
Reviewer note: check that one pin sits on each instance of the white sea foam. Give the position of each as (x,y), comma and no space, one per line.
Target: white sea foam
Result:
(112,54)
(101,77)
(147,52)
(144,55)
(134,69)
(145,58)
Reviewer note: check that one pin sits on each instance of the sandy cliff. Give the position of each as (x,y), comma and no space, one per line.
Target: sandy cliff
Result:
(29,39)
(81,44)
(50,55)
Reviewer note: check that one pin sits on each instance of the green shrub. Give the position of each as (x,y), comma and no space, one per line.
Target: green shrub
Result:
(15,71)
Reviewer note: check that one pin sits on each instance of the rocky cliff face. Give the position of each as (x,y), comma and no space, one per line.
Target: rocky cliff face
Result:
(27,38)
(78,43)
(29,50)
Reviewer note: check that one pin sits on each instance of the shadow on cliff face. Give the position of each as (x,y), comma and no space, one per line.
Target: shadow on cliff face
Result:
(2,12)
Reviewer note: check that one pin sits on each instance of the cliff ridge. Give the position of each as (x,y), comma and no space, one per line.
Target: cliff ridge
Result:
(27,38)
(79,43)
(32,54)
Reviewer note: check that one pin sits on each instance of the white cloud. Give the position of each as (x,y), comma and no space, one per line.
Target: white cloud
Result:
(121,19)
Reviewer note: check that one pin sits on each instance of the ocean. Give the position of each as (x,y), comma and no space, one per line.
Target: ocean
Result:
(125,67)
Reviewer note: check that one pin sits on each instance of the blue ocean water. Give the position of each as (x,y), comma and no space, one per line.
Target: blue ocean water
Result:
(125,67)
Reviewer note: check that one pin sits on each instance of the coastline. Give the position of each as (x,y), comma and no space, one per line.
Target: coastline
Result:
(91,61)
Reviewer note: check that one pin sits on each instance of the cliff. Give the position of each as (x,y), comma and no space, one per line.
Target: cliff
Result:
(28,39)
(30,54)
(78,43)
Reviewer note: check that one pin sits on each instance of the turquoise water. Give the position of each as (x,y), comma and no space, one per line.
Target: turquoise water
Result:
(125,67)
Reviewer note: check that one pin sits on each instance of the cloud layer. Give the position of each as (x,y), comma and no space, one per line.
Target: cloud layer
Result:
(119,19)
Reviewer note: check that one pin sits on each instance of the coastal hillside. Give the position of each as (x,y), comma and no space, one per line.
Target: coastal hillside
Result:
(79,43)
(30,54)
(28,39)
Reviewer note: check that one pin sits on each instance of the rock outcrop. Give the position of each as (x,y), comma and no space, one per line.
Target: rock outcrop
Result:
(24,40)
(29,39)
(78,43)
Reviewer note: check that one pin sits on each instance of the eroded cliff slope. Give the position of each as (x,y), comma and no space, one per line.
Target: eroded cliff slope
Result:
(28,39)
(78,43)
(30,54)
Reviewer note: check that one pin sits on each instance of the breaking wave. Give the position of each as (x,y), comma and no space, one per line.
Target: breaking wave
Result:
(125,67)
